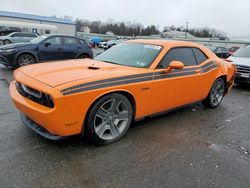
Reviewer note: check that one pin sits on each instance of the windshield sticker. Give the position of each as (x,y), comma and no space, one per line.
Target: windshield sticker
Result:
(152,47)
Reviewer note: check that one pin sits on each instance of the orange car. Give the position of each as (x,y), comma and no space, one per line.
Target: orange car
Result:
(132,80)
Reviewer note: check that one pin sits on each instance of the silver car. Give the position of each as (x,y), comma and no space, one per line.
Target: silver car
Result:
(241,58)
(17,37)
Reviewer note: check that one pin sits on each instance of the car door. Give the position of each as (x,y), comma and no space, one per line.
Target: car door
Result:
(71,47)
(51,49)
(177,87)
(25,37)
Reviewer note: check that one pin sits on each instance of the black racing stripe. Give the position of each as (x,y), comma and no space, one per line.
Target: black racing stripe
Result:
(135,79)
(144,79)
(107,80)
(209,68)
(208,64)
(184,73)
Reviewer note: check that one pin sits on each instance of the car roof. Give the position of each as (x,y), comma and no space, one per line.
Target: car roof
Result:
(162,42)
(60,35)
(23,32)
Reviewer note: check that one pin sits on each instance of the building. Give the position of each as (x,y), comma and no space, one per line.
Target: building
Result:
(36,24)
(85,29)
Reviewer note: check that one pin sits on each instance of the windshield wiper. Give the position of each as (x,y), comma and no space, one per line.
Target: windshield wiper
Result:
(111,62)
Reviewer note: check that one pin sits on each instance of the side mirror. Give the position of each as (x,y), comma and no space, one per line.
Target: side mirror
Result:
(46,44)
(176,65)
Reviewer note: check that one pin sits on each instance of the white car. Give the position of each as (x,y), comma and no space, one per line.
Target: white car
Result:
(241,58)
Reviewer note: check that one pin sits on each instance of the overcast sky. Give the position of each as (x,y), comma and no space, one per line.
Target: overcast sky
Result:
(230,16)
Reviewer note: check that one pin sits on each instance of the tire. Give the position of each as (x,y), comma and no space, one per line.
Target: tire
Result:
(83,56)
(25,59)
(216,94)
(109,119)
(6,42)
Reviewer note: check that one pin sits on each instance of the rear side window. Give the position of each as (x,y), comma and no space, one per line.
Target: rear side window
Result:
(199,55)
(54,41)
(70,41)
(185,55)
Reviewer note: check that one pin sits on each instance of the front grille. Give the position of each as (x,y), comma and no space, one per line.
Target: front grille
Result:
(35,95)
(243,69)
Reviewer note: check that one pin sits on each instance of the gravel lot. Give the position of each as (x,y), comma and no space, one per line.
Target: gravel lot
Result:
(191,147)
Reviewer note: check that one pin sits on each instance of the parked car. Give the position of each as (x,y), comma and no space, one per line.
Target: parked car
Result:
(103,44)
(7,30)
(111,43)
(17,37)
(44,48)
(221,52)
(241,58)
(95,41)
(232,50)
(129,81)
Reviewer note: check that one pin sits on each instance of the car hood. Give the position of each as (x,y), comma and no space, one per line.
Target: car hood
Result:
(83,70)
(15,45)
(240,60)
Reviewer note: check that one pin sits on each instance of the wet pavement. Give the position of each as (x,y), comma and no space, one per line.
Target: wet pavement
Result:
(191,147)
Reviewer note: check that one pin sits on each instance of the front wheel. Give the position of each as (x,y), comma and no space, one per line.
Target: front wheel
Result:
(215,95)
(25,59)
(6,42)
(109,119)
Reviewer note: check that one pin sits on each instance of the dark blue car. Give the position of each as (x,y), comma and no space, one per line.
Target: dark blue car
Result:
(44,48)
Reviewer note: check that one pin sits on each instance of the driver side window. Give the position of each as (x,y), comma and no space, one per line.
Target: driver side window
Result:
(183,54)
(54,41)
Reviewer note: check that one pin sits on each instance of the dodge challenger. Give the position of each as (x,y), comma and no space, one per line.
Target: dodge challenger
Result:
(130,81)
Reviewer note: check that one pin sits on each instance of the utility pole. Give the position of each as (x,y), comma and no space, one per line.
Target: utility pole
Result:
(186,29)
(134,30)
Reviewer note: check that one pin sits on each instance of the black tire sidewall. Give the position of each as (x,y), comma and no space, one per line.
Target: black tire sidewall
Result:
(90,119)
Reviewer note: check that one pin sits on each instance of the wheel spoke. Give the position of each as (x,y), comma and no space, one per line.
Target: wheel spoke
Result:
(101,113)
(122,115)
(101,128)
(114,130)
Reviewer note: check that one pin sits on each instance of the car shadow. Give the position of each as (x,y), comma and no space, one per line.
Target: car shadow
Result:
(245,87)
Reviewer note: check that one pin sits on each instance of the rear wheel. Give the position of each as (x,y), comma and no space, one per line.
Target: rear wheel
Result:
(83,56)
(215,95)
(109,119)
(25,59)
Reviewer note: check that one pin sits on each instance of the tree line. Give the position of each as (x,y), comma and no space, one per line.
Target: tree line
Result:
(118,28)
(137,29)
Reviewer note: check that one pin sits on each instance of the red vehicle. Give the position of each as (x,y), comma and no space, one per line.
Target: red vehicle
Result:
(232,50)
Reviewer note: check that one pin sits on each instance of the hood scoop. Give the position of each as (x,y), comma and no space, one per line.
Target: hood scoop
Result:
(93,68)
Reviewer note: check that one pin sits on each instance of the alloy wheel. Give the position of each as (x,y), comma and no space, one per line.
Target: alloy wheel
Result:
(217,93)
(111,119)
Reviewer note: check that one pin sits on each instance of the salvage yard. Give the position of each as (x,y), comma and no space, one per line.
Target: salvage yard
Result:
(191,147)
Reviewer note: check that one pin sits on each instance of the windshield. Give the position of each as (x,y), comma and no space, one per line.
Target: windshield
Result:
(38,39)
(243,52)
(130,54)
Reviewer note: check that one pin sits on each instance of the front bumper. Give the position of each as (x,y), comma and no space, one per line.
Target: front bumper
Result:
(39,129)
(56,122)
(240,79)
